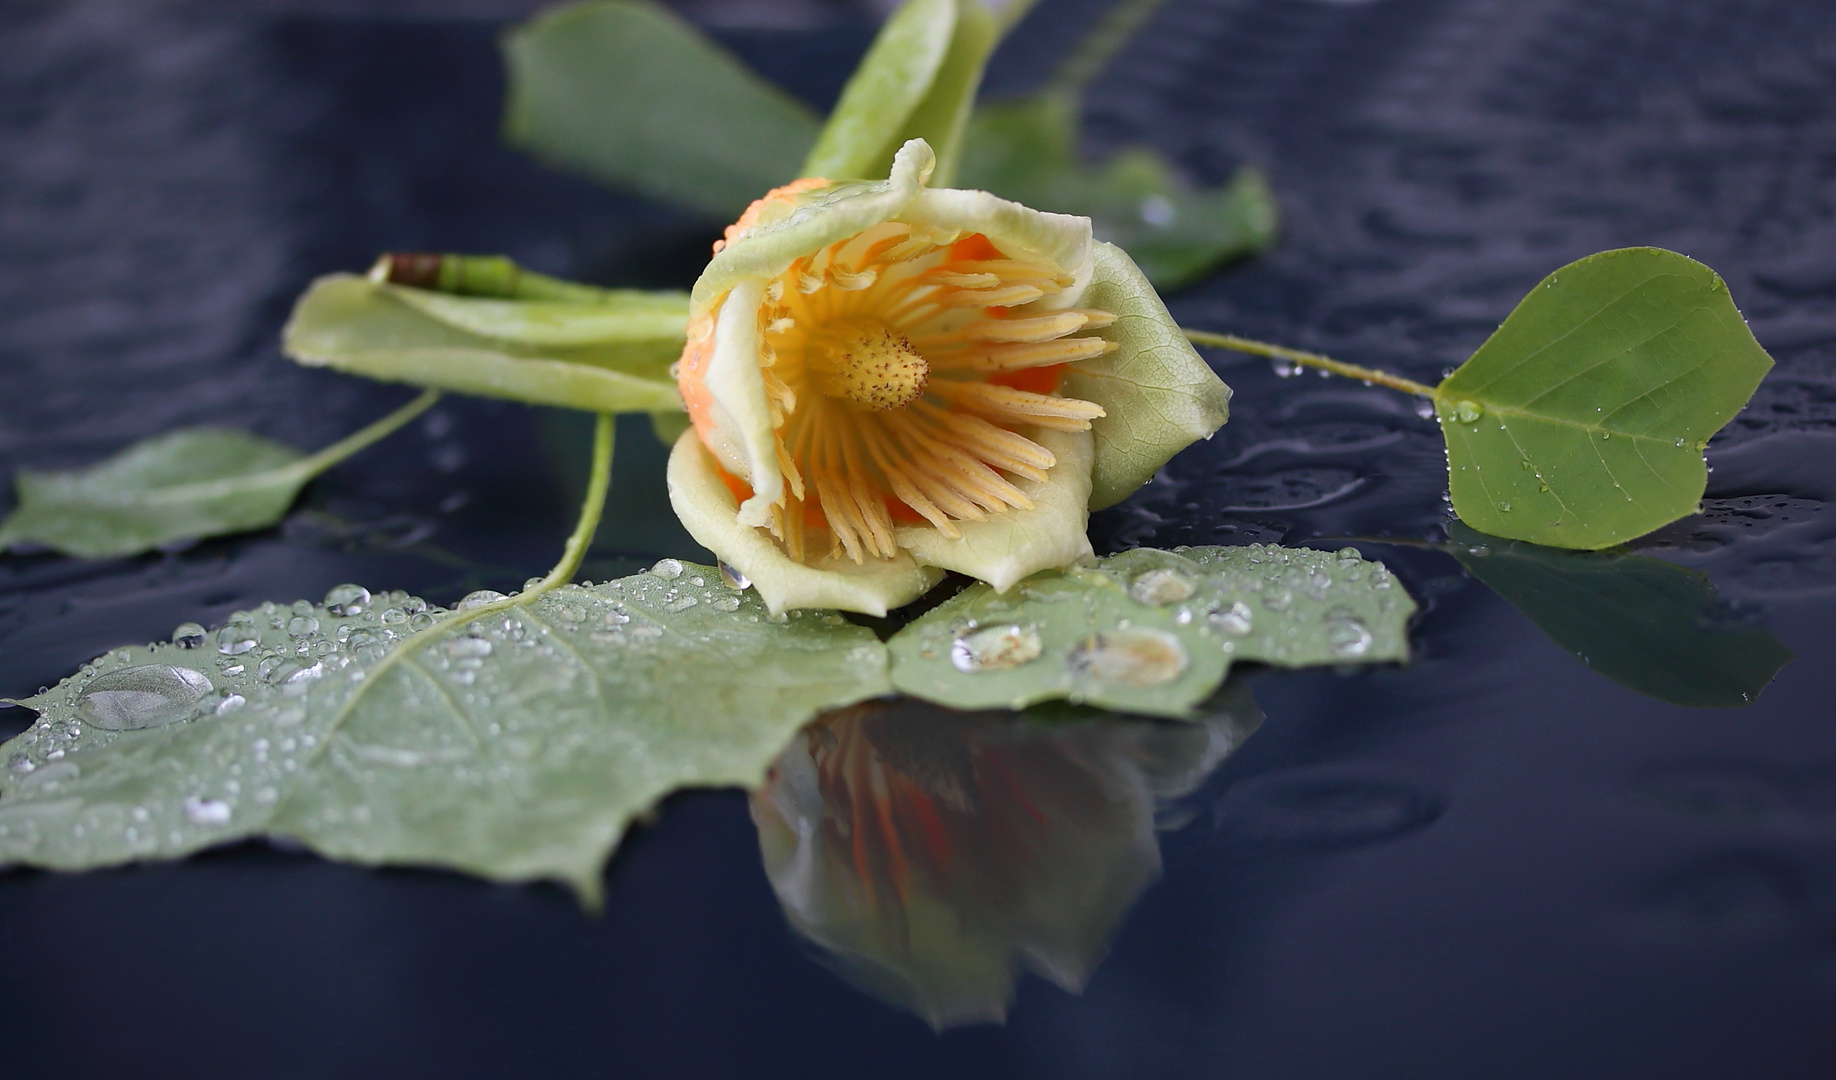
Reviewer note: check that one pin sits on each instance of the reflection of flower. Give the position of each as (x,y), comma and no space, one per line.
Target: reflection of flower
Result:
(933,853)
(873,372)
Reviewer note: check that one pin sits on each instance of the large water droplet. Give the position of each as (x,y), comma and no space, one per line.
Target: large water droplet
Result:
(1133,657)
(733,578)
(347,599)
(479,599)
(149,695)
(996,648)
(1346,635)
(1468,412)
(236,639)
(302,626)
(1236,621)
(1161,587)
(188,635)
(667,569)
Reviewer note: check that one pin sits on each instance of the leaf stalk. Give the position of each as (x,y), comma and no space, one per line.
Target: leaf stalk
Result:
(1308,359)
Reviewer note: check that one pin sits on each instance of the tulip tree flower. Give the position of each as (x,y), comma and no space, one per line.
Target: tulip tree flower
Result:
(888,380)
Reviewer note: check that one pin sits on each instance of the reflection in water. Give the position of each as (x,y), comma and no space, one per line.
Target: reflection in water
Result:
(934,854)
(1649,625)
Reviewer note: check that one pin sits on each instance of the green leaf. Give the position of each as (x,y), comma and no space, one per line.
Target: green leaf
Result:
(1151,631)
(1580,422)
(1649,625)
(1039,835)
(631,95)
(514,739)
(612,355)
(1026,150)
(917,81)
(181,485)
(1158,394)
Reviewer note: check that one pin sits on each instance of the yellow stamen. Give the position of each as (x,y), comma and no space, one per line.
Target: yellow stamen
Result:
(872,366)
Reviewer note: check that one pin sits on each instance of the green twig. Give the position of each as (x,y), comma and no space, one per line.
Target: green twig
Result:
(315,464)
(1307,359)
(1100,46)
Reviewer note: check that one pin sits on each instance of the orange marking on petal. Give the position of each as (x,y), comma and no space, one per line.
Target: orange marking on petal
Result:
(975,246)
(1040,380)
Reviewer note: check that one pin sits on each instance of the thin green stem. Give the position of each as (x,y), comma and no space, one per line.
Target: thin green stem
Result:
(315,464)
(1100,46)
(571,555)
(1307,359)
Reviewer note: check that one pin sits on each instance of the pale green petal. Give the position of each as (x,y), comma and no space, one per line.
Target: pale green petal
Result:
(626,315)
(862,131)
(708,511)
(1004,549)
(742,416)
(1159,395)
(1019,231)
(824,217)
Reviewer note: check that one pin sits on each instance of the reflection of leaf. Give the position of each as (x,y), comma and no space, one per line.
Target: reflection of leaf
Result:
(1151,631)
(629,94)
(1648,625)
(611,355)
(515,746)
(1580,422)
(182,485)
(1027,151)
(934,854)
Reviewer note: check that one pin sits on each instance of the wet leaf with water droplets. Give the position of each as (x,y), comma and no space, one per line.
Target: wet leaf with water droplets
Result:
(516,742)
(1152,631)
(1607,380)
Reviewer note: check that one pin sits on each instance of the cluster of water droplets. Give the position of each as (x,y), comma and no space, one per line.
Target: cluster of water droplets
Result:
(249,688)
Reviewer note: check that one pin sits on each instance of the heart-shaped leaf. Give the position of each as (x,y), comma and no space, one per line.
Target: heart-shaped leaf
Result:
(1580,422)
(514,739)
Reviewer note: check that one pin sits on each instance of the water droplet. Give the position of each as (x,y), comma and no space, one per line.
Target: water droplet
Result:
(149,695)
(468,647)
(1349,554)
(302,626)
(1468,412)
(725,603)
(236,639)
(479,599)
(1162,587)
(188,635)
(207,811)
(347,599)
(1133,657)
(1277,599)
(1504,507)
(667,569)
(394,616)
(230,703)
(1346,635)
(683,604)
(996,648)
(1424,408)
(1285,369)
(734,579)
(1236,621)
(420,621)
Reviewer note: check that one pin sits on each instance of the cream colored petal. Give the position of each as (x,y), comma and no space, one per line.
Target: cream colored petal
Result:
(1006,548)
(1159,395)
(826,217)
(1019,231)
(707,510)
(742,415)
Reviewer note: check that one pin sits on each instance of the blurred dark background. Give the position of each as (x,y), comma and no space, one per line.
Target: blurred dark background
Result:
(1516,868)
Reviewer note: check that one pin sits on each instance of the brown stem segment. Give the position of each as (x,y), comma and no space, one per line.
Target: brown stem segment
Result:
(1307,359)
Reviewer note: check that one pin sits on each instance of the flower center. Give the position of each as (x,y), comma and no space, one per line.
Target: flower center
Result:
(870,364)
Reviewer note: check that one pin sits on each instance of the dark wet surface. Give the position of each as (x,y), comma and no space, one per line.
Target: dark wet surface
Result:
(1493,863)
